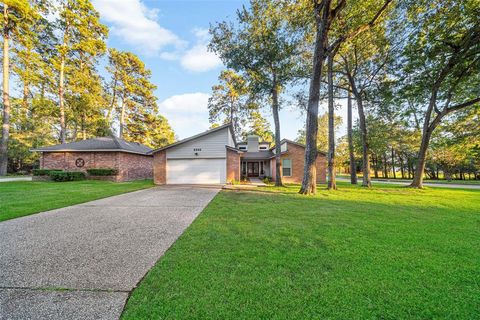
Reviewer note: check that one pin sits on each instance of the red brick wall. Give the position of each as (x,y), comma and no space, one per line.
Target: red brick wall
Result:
(66,160)
(130,166)
(297,155)
(160,167)
(134,167)
(233,165)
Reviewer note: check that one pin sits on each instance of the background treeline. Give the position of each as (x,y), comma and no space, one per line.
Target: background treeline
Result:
(410,70)
(61,83)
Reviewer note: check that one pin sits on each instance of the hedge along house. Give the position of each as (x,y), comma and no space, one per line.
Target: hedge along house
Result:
(214,157)
(132,160)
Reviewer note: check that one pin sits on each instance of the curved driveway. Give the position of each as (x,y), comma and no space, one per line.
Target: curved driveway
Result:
(81,262)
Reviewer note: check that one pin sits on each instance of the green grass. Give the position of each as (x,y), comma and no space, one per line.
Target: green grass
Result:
(442,181)
(386,253)
(462,182)
(23,198)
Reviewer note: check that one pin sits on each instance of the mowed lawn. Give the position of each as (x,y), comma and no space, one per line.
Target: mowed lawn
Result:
(386,253)
(23,197)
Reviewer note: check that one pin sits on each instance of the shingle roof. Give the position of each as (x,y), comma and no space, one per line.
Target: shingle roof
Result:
(98,144)
(257,155)
(228,125)
(296,143)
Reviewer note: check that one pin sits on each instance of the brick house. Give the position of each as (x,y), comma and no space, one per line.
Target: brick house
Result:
(214,157)
(132,160)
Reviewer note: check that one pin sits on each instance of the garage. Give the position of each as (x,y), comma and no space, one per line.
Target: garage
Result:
(196,171)
(209,157)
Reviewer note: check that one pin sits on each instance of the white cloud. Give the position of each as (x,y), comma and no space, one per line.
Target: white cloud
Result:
(187,113)
(198,58)
(189,102)
(137,25)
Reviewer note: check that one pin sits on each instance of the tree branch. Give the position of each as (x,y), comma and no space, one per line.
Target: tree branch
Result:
(462,105)
(360,29)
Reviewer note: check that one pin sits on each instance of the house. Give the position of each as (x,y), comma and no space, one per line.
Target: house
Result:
(132,160)
(214,157)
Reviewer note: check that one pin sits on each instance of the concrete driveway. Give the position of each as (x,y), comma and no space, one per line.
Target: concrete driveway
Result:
(12,179)
(81,262)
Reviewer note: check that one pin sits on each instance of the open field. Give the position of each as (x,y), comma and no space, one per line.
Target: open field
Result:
(441,181)
(19,199)
(390,252)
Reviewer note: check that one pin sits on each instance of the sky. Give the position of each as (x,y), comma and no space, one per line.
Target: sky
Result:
(171,37)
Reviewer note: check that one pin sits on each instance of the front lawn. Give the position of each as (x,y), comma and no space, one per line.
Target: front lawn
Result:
(23,198)
(386,253)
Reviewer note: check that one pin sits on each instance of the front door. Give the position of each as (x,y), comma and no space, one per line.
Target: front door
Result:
(252,169)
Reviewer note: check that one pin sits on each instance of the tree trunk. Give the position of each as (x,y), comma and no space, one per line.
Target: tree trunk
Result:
(309,182)
(375,165)
(276,121)
(84,130)
(25,99)
(122,117)
(393,164)
(114,97)
(353,167)
(385,168)
(422,154)
(331,127)
(365,148)
(363,132)
(234,124)
(61,102)
(6,96)
(402,169)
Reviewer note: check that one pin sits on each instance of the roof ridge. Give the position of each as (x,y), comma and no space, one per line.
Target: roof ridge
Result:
(115,140)
(198,135)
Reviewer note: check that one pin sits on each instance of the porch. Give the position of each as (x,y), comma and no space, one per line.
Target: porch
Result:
(255,168)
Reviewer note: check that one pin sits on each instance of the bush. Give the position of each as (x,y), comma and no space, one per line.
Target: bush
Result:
(244,179)
(62,176)
(267,180)
(44,172)
(235,182)
(102,172)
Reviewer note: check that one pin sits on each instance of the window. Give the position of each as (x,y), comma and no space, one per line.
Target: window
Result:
(263,148)
(286,167)
(243,148)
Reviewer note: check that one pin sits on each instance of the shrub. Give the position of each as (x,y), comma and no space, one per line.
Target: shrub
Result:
(102,172)
(244,179)
(62,176)
(44,172)
(235,182)
(267,180)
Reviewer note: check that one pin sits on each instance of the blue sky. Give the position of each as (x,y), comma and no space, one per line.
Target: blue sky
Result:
(170,37)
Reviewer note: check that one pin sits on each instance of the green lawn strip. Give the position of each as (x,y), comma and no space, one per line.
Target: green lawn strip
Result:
(390,252)
(390,179)
(23,198)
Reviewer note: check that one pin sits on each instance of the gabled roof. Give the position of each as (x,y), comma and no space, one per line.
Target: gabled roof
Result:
(295,143)
(228,125)
(110,144)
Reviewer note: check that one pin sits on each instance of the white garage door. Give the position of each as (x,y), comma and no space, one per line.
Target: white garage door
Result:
(196,171)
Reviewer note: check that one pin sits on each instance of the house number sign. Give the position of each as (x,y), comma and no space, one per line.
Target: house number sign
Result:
(79,162)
